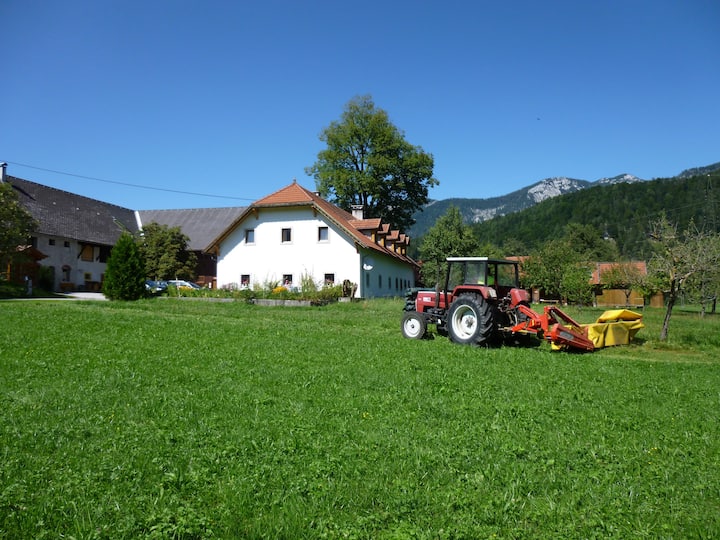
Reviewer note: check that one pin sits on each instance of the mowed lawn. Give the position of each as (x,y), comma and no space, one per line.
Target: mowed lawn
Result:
(194,419)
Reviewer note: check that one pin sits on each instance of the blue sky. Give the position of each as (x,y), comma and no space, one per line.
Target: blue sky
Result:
(228,98)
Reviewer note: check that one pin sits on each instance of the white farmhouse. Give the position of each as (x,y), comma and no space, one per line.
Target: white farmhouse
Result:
(294,233)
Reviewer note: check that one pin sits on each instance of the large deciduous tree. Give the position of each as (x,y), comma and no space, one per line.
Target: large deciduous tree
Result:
(166,253)
(449,237)
(562,266)
(16,225)
(558,269)
(368,162)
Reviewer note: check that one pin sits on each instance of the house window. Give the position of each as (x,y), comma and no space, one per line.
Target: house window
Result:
(104,253)
(249,236)
(66,273)
(244,281)
(87,253)
(51,241)
(379,281)
(287,280)
(389,283)
(367,280)
(286,236)
(329,279)
(66,244)
(322,234)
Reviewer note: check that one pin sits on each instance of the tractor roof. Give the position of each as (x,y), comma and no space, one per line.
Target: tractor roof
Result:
(480,259)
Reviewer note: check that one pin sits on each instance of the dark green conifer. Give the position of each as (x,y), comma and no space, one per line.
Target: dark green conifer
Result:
(125,274)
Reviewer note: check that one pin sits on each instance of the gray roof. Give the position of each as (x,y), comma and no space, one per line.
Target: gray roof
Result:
(201,225)
(67,215)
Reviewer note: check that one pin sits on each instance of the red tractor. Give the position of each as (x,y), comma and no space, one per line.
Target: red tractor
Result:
(482,304)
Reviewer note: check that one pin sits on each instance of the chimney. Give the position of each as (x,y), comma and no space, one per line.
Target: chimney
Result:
(3,170)
(358,211)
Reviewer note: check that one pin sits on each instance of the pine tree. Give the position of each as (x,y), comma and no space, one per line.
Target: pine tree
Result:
(125,273)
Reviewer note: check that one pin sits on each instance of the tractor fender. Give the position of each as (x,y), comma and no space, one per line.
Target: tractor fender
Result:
(519,296)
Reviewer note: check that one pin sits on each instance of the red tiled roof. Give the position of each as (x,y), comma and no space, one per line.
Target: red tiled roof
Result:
(295,195)
(602,267)
(289,195)
(366,224)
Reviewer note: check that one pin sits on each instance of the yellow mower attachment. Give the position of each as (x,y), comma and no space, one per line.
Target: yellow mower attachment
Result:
(614,327)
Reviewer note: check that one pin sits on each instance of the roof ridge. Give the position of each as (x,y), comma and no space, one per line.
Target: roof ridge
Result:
(278,197)
(9,179)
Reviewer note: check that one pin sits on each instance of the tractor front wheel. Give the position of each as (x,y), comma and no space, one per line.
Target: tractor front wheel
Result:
(413,325)
(470,320)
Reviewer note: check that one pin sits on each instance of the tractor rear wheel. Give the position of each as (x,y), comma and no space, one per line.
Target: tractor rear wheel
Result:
(413,325)
(470,320)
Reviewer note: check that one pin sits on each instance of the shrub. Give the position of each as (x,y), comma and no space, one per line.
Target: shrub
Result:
(11,290)
(46,278)
(125,273)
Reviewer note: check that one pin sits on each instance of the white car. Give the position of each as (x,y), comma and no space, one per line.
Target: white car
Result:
(181,283)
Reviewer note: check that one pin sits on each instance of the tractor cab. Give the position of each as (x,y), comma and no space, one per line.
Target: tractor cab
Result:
(497,276)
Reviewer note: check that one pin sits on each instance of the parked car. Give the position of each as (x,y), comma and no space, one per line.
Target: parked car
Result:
(183,284)
(155,287)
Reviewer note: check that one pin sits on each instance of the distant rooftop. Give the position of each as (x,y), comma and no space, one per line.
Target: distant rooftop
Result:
(64,214)
(201,225)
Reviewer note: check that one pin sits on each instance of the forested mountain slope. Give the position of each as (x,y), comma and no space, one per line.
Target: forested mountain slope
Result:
(622,212)
(475,210)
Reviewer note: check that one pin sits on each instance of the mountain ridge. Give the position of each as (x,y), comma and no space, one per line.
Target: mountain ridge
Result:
(477,210)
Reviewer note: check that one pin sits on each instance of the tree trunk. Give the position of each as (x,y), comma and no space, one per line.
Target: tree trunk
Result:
(668,312)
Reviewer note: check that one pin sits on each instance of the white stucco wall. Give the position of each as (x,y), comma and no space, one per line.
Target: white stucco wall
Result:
(59,255)
(388,277)
(268,258)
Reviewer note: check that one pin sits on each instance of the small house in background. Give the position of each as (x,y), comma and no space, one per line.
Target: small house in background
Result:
(611,297)
(294,234)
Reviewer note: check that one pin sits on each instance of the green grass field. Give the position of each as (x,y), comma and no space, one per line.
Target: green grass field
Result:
(193,419)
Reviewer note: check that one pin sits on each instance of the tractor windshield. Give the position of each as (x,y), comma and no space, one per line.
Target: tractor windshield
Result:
(507,275)
(492,273)
(466,273)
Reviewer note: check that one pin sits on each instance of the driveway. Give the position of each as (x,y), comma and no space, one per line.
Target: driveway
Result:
(68,296)
(86,296)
